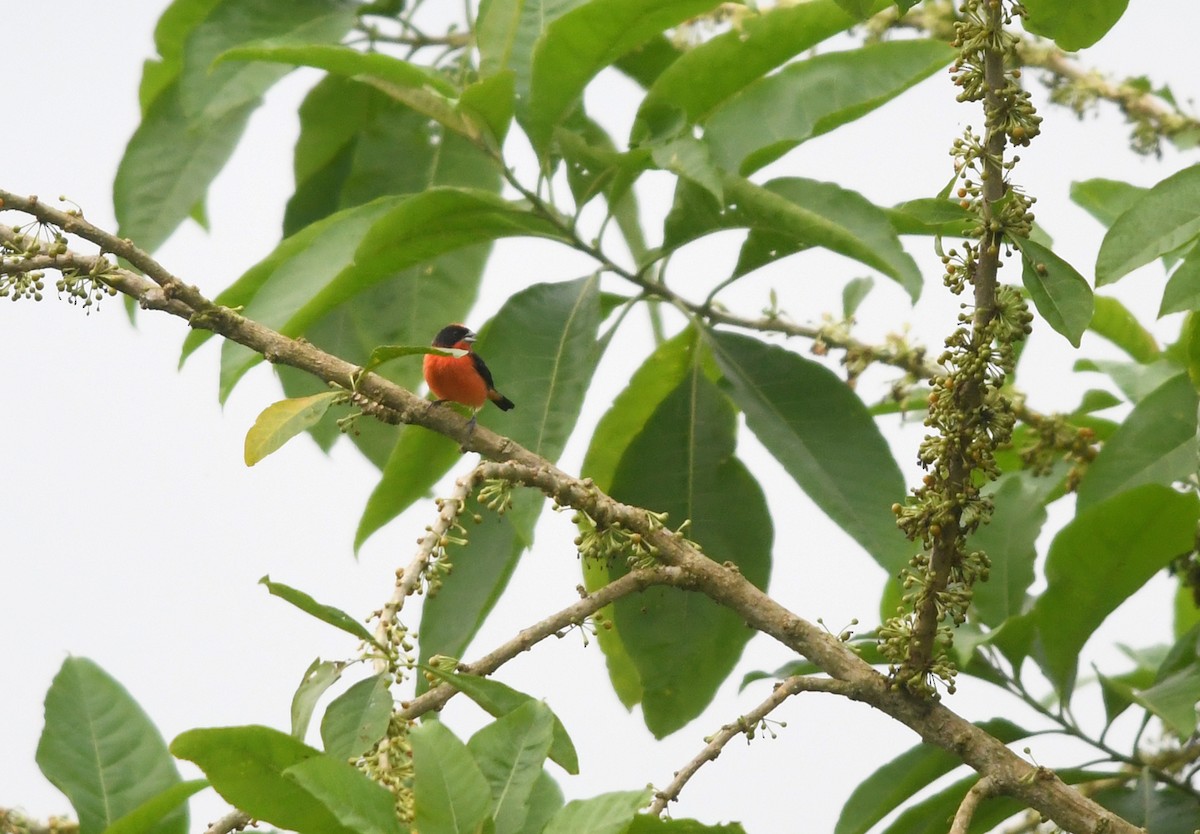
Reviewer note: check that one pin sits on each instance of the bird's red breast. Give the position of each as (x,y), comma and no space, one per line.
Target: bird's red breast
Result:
(461,379)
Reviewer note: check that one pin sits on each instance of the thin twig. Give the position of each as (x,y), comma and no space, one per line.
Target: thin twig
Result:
(980,791)
(745,724)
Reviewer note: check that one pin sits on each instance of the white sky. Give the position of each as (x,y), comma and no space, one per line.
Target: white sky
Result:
(131,533)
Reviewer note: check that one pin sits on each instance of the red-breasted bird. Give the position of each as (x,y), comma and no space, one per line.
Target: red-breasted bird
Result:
(461,379)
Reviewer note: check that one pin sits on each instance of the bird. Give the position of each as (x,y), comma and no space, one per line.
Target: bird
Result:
(462,379)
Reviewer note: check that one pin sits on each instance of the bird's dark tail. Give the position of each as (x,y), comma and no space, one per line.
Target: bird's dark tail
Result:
(503,402)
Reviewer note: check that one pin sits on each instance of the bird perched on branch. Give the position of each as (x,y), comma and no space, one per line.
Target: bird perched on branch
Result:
(461,379)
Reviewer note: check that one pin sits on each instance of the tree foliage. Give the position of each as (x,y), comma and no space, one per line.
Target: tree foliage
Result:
(426,140)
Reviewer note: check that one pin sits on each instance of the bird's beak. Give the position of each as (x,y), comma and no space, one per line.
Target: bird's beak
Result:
(470,337)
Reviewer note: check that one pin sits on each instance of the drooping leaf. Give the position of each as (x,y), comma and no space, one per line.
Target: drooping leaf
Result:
(490,101)
(1105,200)
(1135,380)
(101,750)
(843,464)
(1182,292)
(1008,541)
(335,617)
(343,61)
(805,99)
(1060,294)
(1162,220)
(148,816)
(545,800)
(358,803)
(246,766)
(356,720)
(585,40)
(608,813)
(788,215)
(650,824)
(280,422)
(682,644)
(1098,560)
(1115,322)
(701,79)
(499,699)
(510,753)
(1070,25)
(1163,810)
(506,33)
(854,293)
(931,216)
(452,796)
(1174,700)
(320,675)
(1156,444)
(899,780)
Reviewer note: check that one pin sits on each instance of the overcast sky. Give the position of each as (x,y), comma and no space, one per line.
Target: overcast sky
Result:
(133,534)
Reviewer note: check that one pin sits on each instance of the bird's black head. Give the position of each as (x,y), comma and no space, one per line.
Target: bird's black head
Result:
(452,334)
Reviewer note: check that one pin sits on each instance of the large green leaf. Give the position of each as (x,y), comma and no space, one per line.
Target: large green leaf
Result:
(452,796)
(1114,321)
(1098,560)
(499,699)
(510,753)
(1073,26)
(246,767)
(328,614)
(1182,292)
(650,824)
(542,350)
(356,720)
(788,215)
(808,98)
(1155,445)
(506,33)
(822,433)
(171,32)
(1008,540)
(1174,700)
(194,115)
(359,804)
(147,816)
(342,60)
(100,749)
(584,41)
(608,813)
(318,677)
(683,644)
(1060,294)
(1161,221)
(899,780)
(1105,200)
(1157,809)
(703,78)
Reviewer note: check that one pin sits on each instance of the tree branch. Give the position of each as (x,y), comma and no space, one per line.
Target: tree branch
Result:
(746,724)
(681,563)
(980,791)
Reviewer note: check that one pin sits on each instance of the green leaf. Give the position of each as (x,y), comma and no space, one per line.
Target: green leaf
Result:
(101,750)
(542,350)
(1134,379)
(1008,540)
(689,158)
(1155,445)
(168,165)
(608,813)
(1162,810)
(1174,700)
(683,644)
(791,214)
(860,9)
(931,216)
(246,767)
(1071,25)
(280,422)
(843,464)
(320,675)
(360,805)
(499,699)
(177,21)
(545,800)
(452,796)
(903,777)
(357,719)
(418,460)
(1161,221)
(1060,294)
(510,752)
(703,78)
(506,32)
(335,617)
(584,41)
(1105,200)
(1182,292)
(344,61)
(1106,553)
(808,98)
(145,817)
(1115,322)
(491,101)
